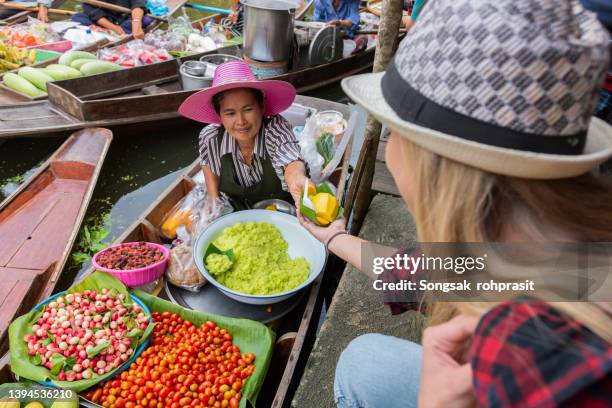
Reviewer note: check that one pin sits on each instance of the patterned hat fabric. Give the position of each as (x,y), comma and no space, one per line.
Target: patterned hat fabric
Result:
(517,80)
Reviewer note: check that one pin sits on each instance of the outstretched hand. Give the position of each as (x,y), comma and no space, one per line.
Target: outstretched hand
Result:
(322,234)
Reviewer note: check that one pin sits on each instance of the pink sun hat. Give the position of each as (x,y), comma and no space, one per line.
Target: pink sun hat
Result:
(278,95)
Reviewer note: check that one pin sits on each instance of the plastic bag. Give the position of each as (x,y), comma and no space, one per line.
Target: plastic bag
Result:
(182,270)
(169,41)
(134,54)
(323,142)
(158,8)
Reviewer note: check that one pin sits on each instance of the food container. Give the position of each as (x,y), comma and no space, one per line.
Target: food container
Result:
(281,205)
(332,122)
(133,357)
(195,68)
(268,29)
(300,241)
(190,81)
(140,276)
(58,46)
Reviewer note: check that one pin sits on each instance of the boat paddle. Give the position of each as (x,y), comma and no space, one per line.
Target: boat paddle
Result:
(114,7)
(35,9)
(208,9)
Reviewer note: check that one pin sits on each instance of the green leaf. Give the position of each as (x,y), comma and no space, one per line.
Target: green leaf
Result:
(132,334)
(129,322)
(98,349)
(50,336)
(46,341)
(80,257)
(86,234)
(69,363)
(95,248)
(57,360)
(35,359)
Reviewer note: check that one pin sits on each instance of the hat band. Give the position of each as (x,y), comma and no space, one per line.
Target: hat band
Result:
(412,106)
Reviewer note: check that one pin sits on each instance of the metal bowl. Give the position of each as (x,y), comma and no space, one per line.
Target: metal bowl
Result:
(195,68)
(281,205)
(301,243)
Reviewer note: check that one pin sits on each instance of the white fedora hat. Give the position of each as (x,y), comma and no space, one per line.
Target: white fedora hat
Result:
(508,87)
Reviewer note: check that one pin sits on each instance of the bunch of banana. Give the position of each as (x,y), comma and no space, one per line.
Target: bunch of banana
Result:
(12,57)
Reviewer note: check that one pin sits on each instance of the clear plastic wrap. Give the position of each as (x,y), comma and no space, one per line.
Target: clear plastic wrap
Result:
(167,40)
(323,141)
(182,270)
(29,34)
(134,54)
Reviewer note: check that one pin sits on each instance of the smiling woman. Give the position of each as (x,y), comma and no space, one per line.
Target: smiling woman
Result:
(249,151)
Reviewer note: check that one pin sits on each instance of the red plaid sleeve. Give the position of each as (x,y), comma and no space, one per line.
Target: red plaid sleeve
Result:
(397,302)
(527,354)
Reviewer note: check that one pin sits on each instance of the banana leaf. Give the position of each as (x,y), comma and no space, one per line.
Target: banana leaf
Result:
(21,363)
(249,335)
(33,392)
(307,208)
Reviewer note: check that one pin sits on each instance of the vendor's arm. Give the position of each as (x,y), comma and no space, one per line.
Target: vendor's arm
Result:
(295,174)
(209,158)
(99,17)
(106,23)
(351,22)
(137,14)
(212,182)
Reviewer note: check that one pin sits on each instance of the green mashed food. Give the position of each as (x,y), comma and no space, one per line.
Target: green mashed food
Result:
(218,263)
(262,266)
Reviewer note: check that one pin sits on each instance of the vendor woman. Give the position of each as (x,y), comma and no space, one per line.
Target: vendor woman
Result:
(120,23)
(248,151)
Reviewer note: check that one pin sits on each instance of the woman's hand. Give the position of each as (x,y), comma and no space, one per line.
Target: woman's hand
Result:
(323,234)
(446,376)
(341,23)
(295,189)
(295,177)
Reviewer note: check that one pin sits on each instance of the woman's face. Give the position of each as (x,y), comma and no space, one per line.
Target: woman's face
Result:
(240,114)
(396,163)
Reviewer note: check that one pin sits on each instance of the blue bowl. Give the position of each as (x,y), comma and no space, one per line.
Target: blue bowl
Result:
(126,364)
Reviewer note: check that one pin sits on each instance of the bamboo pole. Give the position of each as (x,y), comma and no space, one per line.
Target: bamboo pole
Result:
(35,9)
(117,8)
(359,194)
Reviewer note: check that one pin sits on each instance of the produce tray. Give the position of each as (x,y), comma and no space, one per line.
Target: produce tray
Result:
(14,92)
(249,335)
(22,367)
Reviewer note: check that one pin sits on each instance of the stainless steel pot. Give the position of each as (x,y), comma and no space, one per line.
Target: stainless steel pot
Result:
(190,81)
(268,29)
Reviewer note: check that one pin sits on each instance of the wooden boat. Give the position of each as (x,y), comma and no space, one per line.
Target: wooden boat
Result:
(12,97)
(141,95)
(40,221)
(296,330)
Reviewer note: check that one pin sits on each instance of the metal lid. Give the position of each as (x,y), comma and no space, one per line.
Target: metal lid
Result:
(326,46)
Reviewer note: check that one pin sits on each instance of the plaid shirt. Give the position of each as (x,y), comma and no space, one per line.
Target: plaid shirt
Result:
(527,354)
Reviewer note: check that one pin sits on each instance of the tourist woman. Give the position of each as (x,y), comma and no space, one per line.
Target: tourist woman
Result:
(248,151)
(492,140)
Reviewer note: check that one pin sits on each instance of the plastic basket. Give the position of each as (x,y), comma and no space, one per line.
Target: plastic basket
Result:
(140,276)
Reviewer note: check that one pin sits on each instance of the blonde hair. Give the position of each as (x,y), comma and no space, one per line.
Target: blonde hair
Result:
(453,202)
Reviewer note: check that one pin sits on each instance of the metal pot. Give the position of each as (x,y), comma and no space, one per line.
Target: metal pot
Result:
(268,29)
(190,81)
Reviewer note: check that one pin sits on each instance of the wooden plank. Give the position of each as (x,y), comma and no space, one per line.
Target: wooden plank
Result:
(24,293)
(383,181)
(19,227)
(50,236)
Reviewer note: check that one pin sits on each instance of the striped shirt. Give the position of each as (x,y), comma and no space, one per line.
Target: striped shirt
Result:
(276,139)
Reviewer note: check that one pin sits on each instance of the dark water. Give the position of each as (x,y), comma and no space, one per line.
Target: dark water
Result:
(138,167)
